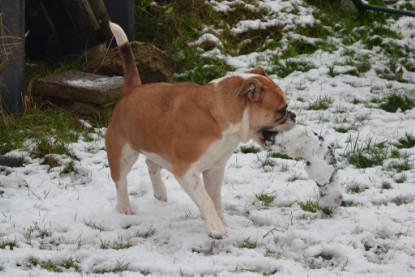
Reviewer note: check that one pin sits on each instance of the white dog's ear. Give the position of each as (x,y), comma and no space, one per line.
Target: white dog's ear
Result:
(259,70)
(252,88)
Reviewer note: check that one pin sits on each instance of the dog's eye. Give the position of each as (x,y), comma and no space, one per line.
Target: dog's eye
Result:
(282,111)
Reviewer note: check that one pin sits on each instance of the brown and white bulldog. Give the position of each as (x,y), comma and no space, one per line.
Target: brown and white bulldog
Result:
(189,129)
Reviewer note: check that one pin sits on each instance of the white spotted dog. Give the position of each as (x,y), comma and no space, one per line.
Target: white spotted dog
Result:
(321,163)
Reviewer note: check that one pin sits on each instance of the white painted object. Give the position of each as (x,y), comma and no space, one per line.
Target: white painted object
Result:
(321,163)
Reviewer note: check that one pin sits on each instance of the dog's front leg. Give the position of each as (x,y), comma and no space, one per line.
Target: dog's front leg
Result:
(212,180)
(192,184)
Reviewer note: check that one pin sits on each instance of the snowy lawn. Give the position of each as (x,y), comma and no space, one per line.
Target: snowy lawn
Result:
(61,221)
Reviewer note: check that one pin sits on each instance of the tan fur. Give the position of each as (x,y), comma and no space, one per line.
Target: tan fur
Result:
(190,130)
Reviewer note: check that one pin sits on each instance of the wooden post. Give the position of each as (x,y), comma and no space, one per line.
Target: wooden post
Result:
(98,7)
(12,73)
(89,16)
(81,15)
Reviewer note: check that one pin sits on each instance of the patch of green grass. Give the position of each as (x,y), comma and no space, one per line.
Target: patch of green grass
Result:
(321,103)
(251,40)
(279,156)
(299,47)
(356,101)
(369,30)
(170,24)
(359,64)
(294,177)
(310,206)
(395,154)
(342,129)
(400,201)
(355,188)
(204,71)
(71,263)
(368,155)
(348,203)
(266,198)
(247,243)
(250,149)
(48,265)
(44,147)
(401,165)
(32,261)
(386,185)
(363,64)
(69,168)
(394,101)
(49,130)
(36,231)
(400,179)
(283,68)
(94,225)
(211,249)
(266,163)
(120,266)
(327,211)
(8,244)
(51,160)
(408,141)
(147,234)
(116,245)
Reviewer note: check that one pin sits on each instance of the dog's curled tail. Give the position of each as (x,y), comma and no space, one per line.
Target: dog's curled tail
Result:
(131,76)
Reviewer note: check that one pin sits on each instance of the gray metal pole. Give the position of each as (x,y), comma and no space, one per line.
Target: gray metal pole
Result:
(363,6)
(12,73)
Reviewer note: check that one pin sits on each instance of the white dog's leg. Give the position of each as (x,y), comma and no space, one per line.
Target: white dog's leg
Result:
(212,180)
(159,188)
(321,163)
(192,184)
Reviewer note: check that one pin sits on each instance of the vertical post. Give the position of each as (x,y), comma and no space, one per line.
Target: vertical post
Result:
(122,13)
(12,72)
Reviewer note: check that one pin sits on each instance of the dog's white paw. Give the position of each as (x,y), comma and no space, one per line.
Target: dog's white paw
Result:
(124,209)
(217,231)
(161,196)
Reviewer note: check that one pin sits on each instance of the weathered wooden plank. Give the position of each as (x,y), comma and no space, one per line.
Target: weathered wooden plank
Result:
(79,87)
(98,7)
(82,15)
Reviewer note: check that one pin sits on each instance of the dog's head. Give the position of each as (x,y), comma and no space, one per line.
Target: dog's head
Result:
(268,106)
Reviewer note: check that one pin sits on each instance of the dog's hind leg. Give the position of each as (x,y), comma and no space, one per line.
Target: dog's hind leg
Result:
(159,188)
(121,158)
(212,180)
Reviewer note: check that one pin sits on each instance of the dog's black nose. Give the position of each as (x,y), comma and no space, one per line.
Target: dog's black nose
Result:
(292,115)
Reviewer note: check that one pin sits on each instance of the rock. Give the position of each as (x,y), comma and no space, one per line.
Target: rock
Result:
(11,161)
(79,87)
(87,108)
(152,63)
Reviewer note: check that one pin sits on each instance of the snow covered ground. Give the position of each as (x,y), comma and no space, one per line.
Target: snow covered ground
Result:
(67,223)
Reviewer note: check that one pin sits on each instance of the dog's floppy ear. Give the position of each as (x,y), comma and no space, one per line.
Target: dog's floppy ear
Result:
(259,70)
(252,88)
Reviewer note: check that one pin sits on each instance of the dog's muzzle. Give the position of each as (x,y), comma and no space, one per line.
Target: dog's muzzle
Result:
(292,116)
(269,133)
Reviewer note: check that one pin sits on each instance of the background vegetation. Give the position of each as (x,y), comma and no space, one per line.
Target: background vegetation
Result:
(173,25)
